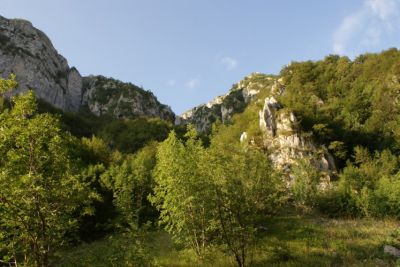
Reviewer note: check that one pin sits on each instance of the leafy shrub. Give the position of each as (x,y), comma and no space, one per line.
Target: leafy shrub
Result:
(121,250)
(305,185)
(339,202)
(386,201)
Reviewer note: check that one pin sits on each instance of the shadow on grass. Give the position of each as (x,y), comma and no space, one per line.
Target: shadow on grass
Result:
(316,241)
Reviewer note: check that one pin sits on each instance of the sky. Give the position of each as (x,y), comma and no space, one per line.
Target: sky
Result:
(189,51)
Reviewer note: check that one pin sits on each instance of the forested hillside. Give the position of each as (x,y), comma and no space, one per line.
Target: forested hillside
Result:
(296,169)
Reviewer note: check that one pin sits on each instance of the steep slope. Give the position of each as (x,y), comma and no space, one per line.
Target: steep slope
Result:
(253,115)
(122,100)
(287,144)
(223,107)
(29,53)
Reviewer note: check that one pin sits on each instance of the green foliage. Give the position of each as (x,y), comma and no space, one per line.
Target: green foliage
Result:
(131,181)
(114,98)
(386,198)
(100,222)
(294,239)
(353,102)
(212,196)
(220,194)
(40,187)
(95,150)
(130,135)
(247,190)
(8,84)
(183,190)
(369,188)
(304,188)
(125,250)
(394,238)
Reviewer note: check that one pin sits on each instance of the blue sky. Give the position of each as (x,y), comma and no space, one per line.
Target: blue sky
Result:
(189,51)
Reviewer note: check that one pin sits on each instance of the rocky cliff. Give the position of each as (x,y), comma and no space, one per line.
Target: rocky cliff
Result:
(286,144)
(122,100)
(29,53)
(279,133)
(223,107)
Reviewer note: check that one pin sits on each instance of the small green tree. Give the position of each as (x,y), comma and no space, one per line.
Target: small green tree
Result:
(305,185)
(131,182)
(246,191)
(182,191)
(39,186)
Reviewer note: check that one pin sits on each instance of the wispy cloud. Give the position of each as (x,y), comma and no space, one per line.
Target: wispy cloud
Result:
(367,26)
(229,63)
(193,83)
(384,9)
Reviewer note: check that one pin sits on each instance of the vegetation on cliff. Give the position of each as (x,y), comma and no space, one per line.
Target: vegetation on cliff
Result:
(85,190)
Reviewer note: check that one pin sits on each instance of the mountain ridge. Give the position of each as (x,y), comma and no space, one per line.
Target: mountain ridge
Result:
(29,54)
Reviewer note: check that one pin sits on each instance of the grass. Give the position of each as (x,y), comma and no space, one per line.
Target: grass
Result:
(291,240)
(297,240)
(316,241)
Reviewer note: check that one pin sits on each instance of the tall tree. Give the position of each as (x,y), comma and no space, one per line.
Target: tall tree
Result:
(182,191)
(39,185)
(131,182)
(247,190)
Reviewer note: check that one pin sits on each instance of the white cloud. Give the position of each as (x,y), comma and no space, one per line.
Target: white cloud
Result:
(366,27)
(383,8)
(171,82)
(344,32)
(229,63)
(193,83)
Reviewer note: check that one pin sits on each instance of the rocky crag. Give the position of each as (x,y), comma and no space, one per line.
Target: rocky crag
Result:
(287,145)
(29,53)
(281,134)
(223,107)
(122,100)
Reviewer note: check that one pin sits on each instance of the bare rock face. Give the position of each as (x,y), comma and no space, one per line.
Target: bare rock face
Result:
(223,107)
(28,53)
(285,142)
(268,116)
(122,100)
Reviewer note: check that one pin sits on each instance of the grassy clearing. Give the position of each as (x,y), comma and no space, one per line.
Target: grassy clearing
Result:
(297,241)
(290,240)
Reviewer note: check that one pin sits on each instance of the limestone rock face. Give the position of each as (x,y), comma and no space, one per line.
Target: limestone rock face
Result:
(285,142)
(122,100)
(223,107)
(268,116)
(28,53)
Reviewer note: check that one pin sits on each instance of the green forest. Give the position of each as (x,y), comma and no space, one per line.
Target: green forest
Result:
(83,190)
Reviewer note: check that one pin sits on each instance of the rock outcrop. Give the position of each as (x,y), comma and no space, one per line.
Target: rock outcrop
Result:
(391,251)
(223,107)
(29,53)
(122,100)
(286,143)
(268,116)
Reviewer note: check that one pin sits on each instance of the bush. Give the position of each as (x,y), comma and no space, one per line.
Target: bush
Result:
(305,185)
(122,250)
(339,202)
(386,200)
